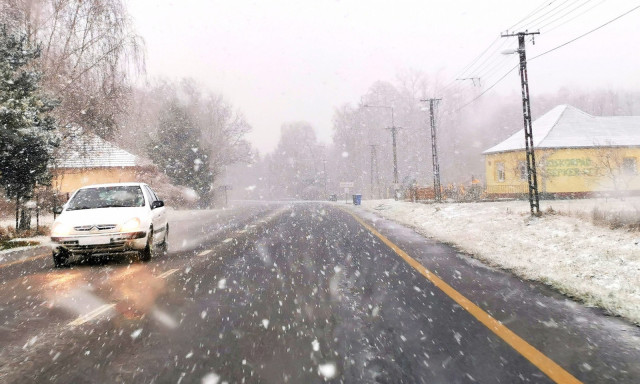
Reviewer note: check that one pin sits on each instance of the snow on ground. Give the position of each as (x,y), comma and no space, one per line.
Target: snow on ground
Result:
(45,219)
(595,264)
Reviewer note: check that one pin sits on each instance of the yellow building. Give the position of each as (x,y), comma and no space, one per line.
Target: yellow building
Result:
(86,159)
(576,155)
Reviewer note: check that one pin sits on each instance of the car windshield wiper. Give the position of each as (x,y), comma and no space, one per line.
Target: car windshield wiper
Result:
(78,208)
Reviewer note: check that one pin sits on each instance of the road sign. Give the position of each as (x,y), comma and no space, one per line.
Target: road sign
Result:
(347,184)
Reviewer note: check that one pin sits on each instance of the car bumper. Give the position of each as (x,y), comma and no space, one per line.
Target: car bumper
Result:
(101,243)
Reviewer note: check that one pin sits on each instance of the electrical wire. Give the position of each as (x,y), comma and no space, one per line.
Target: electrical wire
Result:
(585,34)
(575,17)
(478,57)
(490,59)
(538,9)
(545,14)
(544,53)
(473,62)
(563,15)
(553,15)
(488,89)
(461,73)
(496,69)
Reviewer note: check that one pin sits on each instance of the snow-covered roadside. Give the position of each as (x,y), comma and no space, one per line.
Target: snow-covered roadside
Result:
(597,265)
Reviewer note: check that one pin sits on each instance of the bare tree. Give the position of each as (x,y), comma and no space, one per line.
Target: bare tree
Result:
(89,51)
(610,163)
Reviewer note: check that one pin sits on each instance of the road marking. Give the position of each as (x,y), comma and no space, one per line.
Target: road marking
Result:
(23,260)
(537,358)
(167,273)
(204,253)
(91,315)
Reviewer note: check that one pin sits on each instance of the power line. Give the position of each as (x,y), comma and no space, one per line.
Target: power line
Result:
(488,89)
(496,69)
(538,9)
(477,58)
(558,10)
(491,71)
(466,68)
(575,17)
(544,53)
(489,60)
(585,34)
(545,14)
(473,62)
(564,15)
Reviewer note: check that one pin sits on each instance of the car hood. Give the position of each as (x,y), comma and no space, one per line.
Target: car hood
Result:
(100,216)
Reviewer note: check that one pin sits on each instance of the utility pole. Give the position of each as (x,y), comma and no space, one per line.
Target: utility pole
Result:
(434,150)
(394,131)
(532,178)
(324,172)
(374,167)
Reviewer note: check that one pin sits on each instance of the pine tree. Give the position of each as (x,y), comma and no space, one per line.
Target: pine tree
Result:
(179,153)
(27,131)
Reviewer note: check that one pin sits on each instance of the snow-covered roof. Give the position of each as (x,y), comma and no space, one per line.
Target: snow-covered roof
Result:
(90,151)
(567,127)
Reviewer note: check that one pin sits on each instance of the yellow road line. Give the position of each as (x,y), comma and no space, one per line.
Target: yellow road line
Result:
(23,260)
(167,273)
(91,315)
(537,358)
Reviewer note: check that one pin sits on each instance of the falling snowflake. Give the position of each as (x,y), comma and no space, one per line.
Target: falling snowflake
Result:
(210,378)
(327,370)
(136,333)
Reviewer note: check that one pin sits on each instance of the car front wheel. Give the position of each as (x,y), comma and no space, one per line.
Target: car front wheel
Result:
(60,258)
(164,246)
(145,254)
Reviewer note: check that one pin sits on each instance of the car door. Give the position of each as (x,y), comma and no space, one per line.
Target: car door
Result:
(158,215)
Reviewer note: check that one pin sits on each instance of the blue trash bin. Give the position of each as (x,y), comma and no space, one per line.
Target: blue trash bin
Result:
(357,199)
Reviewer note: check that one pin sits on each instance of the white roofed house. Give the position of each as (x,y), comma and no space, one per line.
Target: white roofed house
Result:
(85,159)
(577,154)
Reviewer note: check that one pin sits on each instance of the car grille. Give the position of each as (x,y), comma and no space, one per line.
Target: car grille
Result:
(115,246)
(99,227)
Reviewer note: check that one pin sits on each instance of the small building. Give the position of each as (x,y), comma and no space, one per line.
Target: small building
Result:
(576,155)
(86,159)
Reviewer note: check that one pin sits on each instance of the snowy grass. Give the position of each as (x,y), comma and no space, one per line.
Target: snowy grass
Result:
(571,247)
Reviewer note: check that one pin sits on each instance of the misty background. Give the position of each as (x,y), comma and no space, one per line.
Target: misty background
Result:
(270,101)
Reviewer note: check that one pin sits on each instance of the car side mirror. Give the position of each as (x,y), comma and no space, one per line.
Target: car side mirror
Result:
(157,204)
(57,210)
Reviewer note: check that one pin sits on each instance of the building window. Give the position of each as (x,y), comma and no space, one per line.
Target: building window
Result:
(499,171)
(522,170)
(629,166)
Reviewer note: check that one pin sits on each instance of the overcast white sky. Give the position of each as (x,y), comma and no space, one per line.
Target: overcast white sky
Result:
(282,61)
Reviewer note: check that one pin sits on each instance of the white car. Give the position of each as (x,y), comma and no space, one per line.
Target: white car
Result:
(110,218)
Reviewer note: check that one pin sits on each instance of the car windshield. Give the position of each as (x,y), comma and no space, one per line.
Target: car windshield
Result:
(105,197)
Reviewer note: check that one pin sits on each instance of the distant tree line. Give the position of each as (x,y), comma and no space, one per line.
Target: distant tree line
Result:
(463,133)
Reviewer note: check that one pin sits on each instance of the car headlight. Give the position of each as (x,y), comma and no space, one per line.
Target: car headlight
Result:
(60,229)
(130,225)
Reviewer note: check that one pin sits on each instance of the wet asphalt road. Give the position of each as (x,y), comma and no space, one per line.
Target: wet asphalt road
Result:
(293,293)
